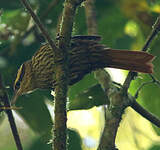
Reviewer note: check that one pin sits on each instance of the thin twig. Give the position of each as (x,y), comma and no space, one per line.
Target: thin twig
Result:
(156,29)
(11,120)
(39,24)
(140,87)
(42,17)
(155,80)
(149,116)
(131,75)
(117,84)
(11,108)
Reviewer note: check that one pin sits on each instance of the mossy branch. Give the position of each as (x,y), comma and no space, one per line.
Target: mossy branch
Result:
(62,74)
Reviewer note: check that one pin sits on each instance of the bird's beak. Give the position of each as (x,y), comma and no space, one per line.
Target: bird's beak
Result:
(14,99)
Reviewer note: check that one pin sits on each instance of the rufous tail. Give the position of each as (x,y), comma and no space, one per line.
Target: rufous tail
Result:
(138,61)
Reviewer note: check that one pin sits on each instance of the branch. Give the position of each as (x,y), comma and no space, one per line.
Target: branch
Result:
(149,116)
(91,17)
(62,74)
(131,75)
(4,99)
(113,116)
(114,111)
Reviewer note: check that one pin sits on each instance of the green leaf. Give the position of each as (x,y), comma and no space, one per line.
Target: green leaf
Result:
(93,96)
(82,85)
(39,144)
(35,112)
(74,140)
(154,147)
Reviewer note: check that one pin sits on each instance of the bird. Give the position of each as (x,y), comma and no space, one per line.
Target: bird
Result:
(86,54)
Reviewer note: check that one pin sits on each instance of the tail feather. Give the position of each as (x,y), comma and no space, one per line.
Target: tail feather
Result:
(130,60)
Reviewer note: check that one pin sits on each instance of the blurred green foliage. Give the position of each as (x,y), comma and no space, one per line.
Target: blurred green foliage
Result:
(155,147)
(112,19)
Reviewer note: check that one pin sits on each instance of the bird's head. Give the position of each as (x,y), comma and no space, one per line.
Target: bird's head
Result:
(24,81)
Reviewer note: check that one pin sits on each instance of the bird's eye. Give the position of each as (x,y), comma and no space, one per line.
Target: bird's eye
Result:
(17,85)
